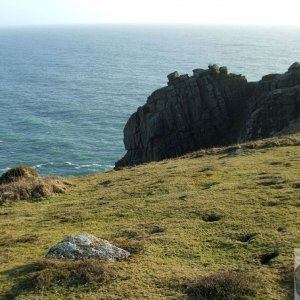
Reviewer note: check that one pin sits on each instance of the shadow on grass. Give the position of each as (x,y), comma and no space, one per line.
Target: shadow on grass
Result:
(21,277)
(287,279)
(46,274)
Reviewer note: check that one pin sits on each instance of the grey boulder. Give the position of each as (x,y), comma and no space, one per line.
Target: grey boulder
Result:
(86,246)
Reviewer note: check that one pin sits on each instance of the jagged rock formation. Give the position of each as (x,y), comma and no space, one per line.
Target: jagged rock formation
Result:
(210,108)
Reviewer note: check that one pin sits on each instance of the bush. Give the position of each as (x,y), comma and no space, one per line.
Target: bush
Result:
(17,173)
(214,68)
(32,188)
(69,273)
(52,274)
(223,285)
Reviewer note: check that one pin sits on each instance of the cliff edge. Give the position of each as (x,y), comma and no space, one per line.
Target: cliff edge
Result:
(210,108)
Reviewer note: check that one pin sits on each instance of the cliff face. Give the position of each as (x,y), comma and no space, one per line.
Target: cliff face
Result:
(274,105)
(210,108)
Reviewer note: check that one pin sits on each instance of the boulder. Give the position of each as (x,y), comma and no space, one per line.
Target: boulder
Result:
(173,76)
(224,70)
(85,246)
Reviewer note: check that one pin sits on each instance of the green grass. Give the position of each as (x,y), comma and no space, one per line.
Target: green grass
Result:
(185,220)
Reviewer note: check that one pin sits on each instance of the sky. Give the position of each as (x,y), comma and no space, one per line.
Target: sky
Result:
(242,12)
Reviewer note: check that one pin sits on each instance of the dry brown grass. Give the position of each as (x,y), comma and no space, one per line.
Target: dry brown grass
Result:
(32,188)
(69,273)
(17,173)
(223,285)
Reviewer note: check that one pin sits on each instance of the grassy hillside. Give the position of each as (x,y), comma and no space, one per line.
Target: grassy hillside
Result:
(232,209)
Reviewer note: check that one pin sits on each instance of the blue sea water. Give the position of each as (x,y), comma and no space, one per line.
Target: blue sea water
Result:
(67,92)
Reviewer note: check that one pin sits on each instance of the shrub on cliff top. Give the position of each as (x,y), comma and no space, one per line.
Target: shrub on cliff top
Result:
(23,183)
(214,68)
(17,173)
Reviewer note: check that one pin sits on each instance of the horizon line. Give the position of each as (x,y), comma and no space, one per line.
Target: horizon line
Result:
(294,26)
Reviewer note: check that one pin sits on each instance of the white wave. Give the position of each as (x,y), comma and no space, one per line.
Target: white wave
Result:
(38,166)
(88,166)
(97,165)
(70,164)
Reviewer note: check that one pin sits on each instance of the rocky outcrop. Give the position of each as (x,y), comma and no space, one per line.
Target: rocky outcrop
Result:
(210,108)
(86,246)
(274,104)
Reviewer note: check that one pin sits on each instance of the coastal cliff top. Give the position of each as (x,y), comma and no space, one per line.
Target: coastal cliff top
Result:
(187,222)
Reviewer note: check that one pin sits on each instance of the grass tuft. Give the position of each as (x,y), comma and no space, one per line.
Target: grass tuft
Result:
(223,285)
(69,273)
(46,275)
(32,188)
(17,173)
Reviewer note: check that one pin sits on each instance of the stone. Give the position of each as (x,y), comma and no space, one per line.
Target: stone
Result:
(211,108)
(224,70)
(197,72)
(85,246)
(173,76)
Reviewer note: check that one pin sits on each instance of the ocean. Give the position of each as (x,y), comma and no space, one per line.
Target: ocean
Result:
(67,92)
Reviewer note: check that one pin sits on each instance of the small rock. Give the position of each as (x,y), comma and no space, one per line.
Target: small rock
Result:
(200,72)
(86,246)
(173,76)
(224,70)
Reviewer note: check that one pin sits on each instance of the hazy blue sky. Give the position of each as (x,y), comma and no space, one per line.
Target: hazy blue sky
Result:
(257,12)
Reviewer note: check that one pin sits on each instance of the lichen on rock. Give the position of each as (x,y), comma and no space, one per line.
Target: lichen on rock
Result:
(86,246)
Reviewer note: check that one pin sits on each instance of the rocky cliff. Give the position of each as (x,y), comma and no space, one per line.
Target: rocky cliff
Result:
(210,108)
